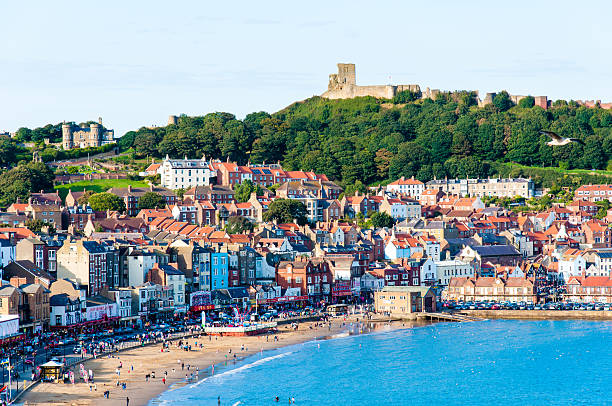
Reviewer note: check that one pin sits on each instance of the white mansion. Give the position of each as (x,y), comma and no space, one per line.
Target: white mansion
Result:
(185,173)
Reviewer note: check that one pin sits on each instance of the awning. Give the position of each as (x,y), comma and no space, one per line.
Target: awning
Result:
(287,299)
(52,364)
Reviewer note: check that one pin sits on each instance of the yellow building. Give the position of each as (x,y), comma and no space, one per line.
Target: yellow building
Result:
(402,300)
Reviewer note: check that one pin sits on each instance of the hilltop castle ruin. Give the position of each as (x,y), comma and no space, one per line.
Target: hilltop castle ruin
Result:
(343,85)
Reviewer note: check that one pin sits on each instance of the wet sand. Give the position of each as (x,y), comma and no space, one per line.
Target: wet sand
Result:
(146,360)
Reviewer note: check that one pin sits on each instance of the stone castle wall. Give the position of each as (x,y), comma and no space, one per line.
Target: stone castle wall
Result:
(343,85)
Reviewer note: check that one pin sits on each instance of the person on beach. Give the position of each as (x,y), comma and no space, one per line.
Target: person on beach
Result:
(127,401)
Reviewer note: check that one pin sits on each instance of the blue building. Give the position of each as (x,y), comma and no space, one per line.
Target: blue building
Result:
(219,270)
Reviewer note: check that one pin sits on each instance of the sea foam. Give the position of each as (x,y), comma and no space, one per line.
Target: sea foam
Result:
(243,368)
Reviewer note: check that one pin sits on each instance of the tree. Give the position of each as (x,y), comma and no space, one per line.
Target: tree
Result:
(593,155)
(151,200)
(180,193)
(358,186)
(106,201)
(410,157)
(8,150)
(244,190)
(147,142)
(406,96)
(238,225)
(382,159)
(37,225)
(527,102)
(381,219)
(602,211)
(24,179)
(84,199)
(502,101)
(286,211)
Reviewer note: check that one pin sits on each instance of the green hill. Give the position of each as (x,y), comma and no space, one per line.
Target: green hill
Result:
(373,140)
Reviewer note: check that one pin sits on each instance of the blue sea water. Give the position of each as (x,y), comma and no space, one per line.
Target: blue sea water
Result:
(495,362)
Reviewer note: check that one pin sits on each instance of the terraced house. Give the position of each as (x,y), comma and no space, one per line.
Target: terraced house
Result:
(589,289)
(489,288)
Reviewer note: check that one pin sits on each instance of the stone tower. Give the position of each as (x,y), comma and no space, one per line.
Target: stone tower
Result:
(345,77)
(172,120)
(67,139)
(95,134)
(346,74)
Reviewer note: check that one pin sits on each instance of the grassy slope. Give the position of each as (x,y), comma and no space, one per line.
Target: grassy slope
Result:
(562,171)
(100,185)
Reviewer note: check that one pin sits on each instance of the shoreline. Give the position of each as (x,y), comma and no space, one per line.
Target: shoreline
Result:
(540,314)
(199,362)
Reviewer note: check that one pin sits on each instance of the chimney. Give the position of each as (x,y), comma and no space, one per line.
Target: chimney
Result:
(17,281)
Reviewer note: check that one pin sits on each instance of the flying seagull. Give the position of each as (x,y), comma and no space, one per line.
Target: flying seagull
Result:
(557,140)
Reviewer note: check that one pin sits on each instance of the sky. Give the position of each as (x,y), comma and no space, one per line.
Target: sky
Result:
(134,63)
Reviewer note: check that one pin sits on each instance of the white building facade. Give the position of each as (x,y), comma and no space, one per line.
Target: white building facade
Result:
(410,187)
(452,268)
(185,173)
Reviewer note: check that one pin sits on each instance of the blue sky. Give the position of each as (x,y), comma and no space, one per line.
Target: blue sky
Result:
(135,62)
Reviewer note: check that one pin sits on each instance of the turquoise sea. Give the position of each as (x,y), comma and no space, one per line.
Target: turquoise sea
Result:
(501,362)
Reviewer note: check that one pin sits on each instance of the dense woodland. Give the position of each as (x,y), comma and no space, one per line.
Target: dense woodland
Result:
(370,140)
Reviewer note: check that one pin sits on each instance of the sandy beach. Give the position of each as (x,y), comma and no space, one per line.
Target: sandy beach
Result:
(145,360)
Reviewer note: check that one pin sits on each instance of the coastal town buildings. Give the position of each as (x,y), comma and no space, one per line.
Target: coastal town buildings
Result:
(499,187)
(144,265)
